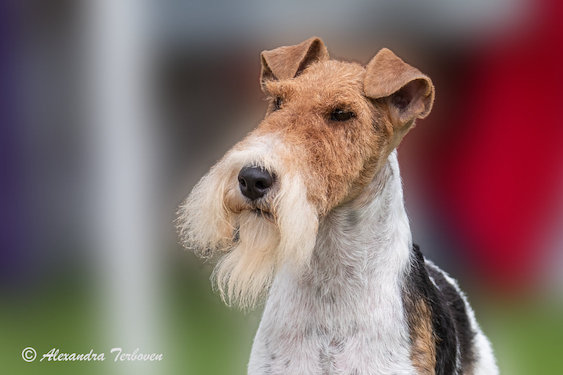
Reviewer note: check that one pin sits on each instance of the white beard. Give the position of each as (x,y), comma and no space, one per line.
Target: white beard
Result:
(216,218)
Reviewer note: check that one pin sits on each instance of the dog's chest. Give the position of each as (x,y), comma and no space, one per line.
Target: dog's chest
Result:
(324,329)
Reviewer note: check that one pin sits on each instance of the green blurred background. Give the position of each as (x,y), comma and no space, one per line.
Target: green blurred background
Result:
(205,337)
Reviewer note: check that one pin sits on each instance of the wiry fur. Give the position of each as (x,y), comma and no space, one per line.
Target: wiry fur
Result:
(484,360)
(330,239)
(345,315)
(216,219)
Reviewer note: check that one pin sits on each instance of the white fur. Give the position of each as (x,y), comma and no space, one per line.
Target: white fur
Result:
(216,209)
(359,260)
(335,302)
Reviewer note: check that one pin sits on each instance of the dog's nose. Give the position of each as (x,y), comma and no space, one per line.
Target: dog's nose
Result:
(254,182)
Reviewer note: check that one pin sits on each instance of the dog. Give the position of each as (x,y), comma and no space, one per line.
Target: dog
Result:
(308,210)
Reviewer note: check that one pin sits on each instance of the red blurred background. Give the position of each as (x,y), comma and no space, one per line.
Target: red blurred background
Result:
(494,167)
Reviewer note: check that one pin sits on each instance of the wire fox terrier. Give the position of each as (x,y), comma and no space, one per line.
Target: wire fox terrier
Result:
(308,209)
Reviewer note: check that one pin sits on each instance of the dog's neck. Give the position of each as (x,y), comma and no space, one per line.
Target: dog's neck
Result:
(367,238)
(348,304)
(361,255)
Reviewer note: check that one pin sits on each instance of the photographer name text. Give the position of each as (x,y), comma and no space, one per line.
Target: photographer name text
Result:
(115,355)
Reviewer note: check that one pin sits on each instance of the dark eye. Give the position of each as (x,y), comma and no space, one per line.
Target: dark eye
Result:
(277,103)
(341,115)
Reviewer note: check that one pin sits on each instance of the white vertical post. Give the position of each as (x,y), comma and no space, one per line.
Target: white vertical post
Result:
(124,158)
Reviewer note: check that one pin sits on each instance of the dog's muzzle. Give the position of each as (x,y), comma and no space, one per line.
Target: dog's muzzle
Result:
(254,182)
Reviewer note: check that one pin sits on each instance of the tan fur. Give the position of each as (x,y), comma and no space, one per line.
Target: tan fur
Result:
(334,154)
(423,345)
(287,62)
(319,163)
(386,76)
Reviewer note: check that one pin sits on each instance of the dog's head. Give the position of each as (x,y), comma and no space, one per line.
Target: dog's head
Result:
(329,127)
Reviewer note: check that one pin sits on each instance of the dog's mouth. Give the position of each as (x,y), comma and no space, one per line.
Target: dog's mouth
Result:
(263,213)
(236,203)
(259,212)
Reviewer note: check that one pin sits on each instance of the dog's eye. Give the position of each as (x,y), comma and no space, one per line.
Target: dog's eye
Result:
(341,115)
(278,101)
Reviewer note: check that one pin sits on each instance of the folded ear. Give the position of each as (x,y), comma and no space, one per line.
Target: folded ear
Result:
(410,93)
(287,62)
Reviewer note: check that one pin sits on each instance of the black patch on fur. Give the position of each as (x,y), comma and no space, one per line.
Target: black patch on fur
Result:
(456,305)
(450,322)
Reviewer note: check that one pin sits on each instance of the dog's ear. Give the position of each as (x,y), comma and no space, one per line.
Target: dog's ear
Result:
(408,92)
(287,62)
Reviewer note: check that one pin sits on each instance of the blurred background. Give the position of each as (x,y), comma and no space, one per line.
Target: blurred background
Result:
(112,110)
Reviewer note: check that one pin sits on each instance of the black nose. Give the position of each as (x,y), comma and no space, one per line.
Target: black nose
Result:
(254,182)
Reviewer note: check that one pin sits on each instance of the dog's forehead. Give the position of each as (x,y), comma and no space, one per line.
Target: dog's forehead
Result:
(332,75)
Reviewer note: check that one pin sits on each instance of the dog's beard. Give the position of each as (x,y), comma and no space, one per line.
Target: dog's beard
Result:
(256,240)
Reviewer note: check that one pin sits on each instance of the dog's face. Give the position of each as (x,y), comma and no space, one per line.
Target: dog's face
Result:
(329,127)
